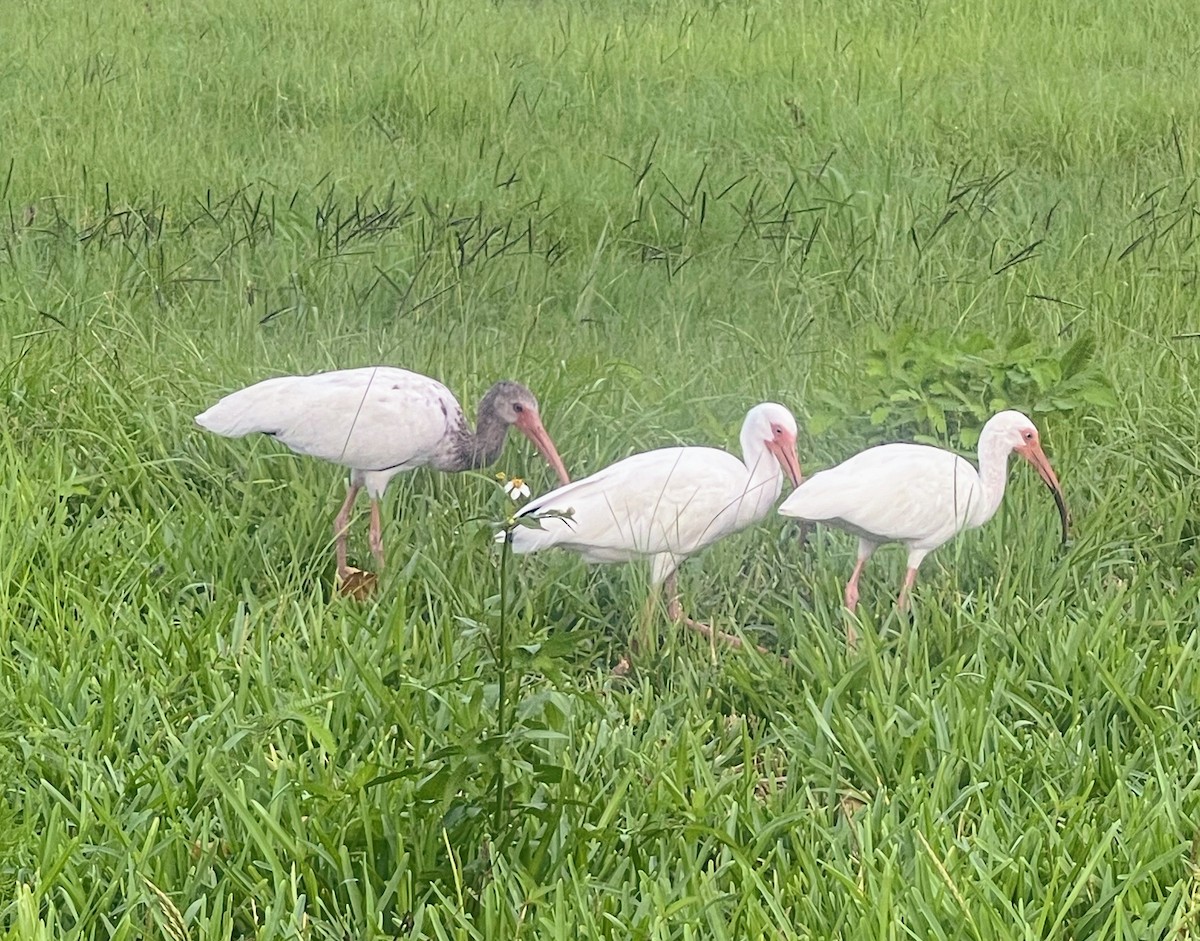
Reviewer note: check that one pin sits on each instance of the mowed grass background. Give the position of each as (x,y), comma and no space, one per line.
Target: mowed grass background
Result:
(655,215)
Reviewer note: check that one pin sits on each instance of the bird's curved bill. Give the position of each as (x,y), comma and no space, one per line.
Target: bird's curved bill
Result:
(531,427)
(785,454)
(1034,455)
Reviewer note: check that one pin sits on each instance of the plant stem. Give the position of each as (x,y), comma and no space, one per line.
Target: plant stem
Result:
(502,663)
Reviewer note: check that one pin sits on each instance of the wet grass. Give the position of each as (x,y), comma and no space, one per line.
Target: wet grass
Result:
(655,218)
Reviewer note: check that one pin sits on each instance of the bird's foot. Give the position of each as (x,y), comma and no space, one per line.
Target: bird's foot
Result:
(713,634)
(355,583)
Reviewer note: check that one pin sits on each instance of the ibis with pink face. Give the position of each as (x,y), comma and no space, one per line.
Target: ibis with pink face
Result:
(380,421)
(667,504)
(919,495)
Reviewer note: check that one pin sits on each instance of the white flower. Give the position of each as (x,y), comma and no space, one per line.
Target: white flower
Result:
(517,489)
(501,535)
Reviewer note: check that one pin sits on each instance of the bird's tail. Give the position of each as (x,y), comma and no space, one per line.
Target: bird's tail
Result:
(526,539)
(224,419)
(254,409)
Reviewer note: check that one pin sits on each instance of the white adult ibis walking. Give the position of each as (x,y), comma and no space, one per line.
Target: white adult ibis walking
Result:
(666,504)
(379,421)
(919,495)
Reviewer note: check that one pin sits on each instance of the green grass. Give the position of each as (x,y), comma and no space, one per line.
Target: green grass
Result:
(656,215)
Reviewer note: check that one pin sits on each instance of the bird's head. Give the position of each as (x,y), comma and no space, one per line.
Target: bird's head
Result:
(1015,431)
(775,426)
(515,405)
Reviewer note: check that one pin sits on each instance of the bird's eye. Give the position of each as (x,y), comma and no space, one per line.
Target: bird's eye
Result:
(518,407)
(1029,436)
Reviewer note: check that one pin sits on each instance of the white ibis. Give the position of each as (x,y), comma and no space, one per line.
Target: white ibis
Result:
(919,495)
(666,504)
(379,421)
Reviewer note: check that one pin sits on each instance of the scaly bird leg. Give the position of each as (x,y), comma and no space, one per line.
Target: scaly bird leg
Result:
(376,539)
(852,603)
(865,550)
(852,585)
(910,578)
(674,607)
(675,612)
(341,526)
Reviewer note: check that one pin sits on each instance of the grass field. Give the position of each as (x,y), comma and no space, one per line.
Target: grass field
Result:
(894,218)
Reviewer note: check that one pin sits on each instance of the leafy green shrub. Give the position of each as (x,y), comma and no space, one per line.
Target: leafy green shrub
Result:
(939,387)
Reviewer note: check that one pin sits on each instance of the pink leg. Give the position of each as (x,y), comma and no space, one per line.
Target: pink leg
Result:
(910,578)
(341,526)
(674,608)
(376,533)
(865,549)
(675,612)
(852,603)
(852,585)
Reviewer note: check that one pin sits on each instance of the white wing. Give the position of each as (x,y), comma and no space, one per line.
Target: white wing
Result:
(373,418)
(892,493)
(673,500)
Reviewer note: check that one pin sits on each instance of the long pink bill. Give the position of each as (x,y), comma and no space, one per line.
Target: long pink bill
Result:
(1034,454)
(785,453)
(530,425)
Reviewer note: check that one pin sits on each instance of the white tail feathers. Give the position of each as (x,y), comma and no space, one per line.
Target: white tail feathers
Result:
(232,417)
(231,422)
(526,539)
(263,407)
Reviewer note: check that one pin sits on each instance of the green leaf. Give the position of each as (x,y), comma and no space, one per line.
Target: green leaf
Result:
(1078,355)
(1019,337)
(1100,395)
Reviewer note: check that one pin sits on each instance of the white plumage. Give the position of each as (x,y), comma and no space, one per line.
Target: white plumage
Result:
(665,505)
(918,495)
(379,421)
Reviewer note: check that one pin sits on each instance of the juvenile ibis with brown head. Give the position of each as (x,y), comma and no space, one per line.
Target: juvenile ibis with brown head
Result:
(380,421)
